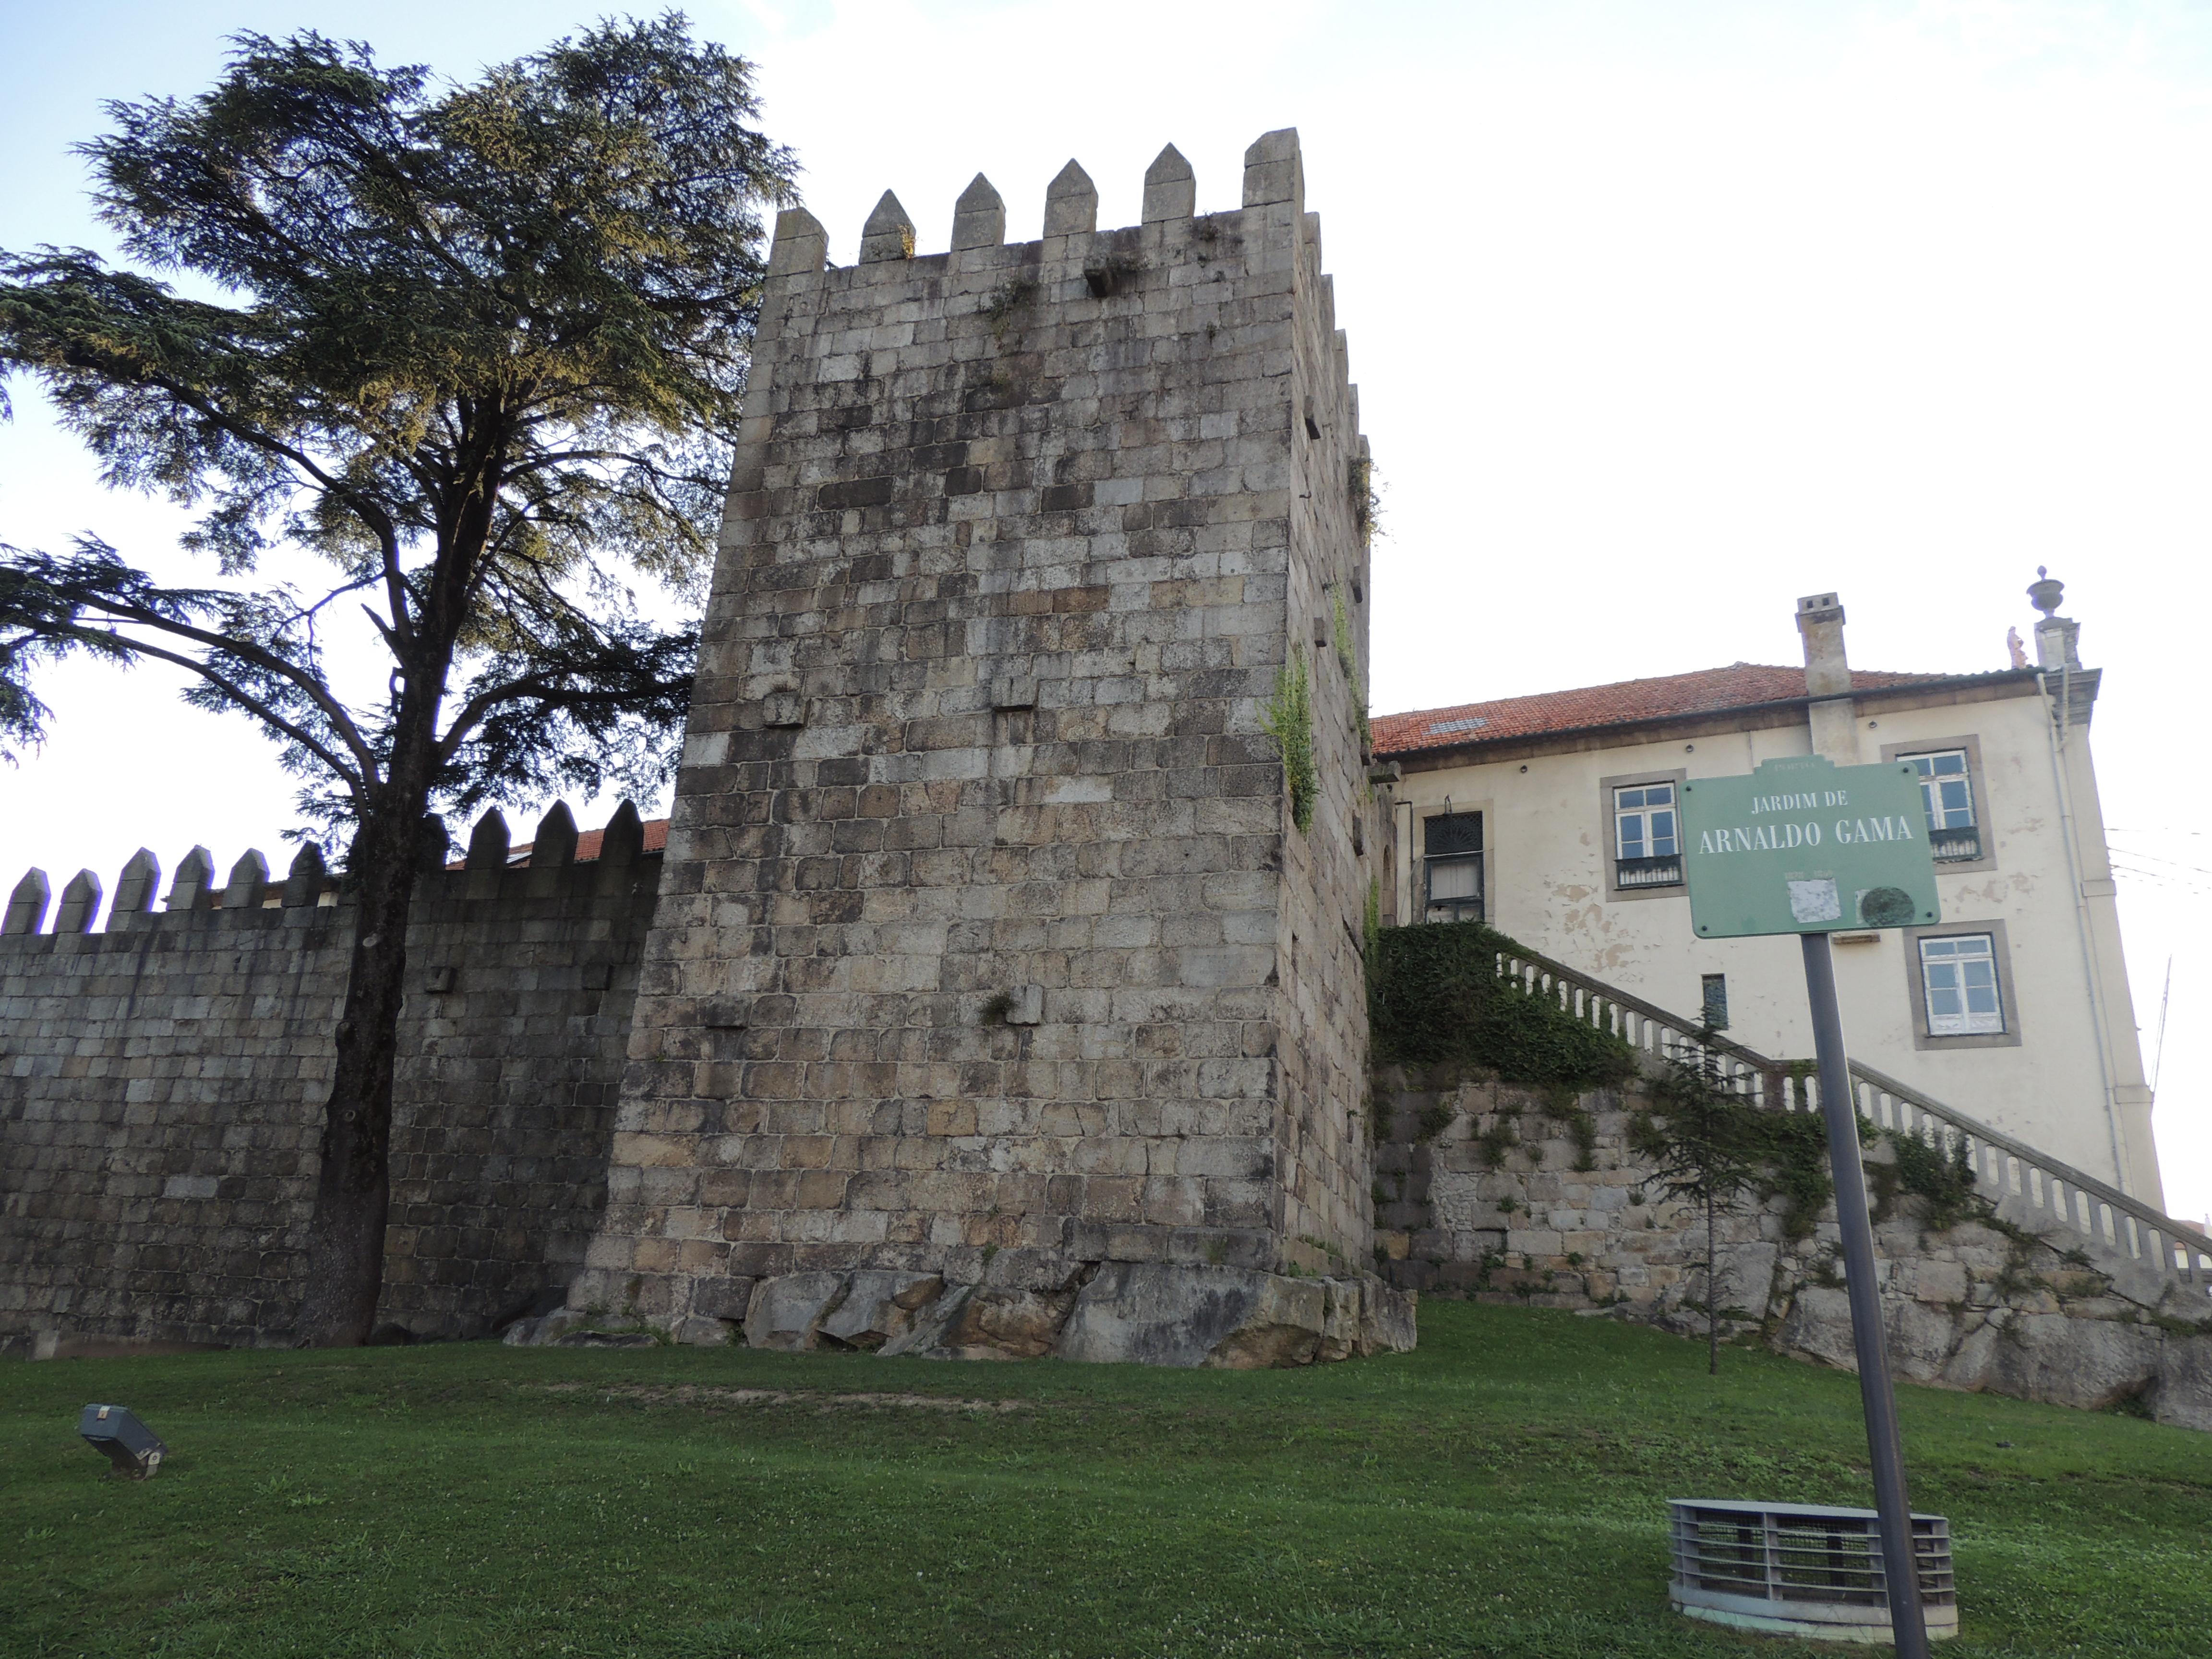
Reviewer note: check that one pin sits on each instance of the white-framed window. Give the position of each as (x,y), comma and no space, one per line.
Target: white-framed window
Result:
(1953,801)
(1644,822)
(1451,851)
(1647,838)
(1959,973)
(1947,791)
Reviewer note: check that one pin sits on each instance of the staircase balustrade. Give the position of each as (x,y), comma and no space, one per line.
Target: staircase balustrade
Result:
(2024,1185)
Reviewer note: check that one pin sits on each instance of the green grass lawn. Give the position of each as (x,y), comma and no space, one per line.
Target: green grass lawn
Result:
(1499,1492)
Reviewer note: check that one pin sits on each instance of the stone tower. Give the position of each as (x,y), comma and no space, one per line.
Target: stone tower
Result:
(1006,987)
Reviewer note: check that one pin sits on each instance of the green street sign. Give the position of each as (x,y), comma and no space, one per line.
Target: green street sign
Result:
(1804,846)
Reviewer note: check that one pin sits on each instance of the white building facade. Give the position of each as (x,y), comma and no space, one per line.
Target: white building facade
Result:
(1555,819)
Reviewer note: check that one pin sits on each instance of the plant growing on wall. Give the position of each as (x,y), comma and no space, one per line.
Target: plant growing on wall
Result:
(1701,1137)
(461,358)
(1341,637)
(1938,1171)
(1435,999)
(1287,718)
(1715,1145)
(1366,500)
(1348,660)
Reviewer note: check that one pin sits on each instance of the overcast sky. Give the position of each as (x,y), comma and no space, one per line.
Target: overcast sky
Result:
(1662,315)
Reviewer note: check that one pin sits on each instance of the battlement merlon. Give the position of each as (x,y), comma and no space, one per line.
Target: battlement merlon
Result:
(1072,259)
(249,895)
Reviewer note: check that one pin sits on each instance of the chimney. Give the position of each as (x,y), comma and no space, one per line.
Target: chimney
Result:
(1828,678)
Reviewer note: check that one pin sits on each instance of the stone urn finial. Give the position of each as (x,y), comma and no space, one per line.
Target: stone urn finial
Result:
(2044,593)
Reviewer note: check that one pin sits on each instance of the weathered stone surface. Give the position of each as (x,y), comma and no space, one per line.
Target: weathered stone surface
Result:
(2090,1362)
(785,1312)
(1968,1367)
(994,1322)
(878,1306)
(1818,1326)
(1745,1278)
(990,946)
(925,1335)
(1387,1319)
(985,1321)
(1921,1339)
(544,1329)
(722,1297)
(1939,1281)
(2182,1394)
(1162,1314)
(1283,1328)
(1158,1315)
(161,1086)
(1990,1302)
(1342,1325)
(1459,1204)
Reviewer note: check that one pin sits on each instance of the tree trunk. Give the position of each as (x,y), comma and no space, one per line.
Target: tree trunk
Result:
(345,1239)
(1712,1291)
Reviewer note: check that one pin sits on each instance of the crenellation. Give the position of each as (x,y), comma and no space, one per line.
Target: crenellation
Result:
(306,879)
(161,1085)
(553,843)
(489,841)
(248,877)
(979,220)
(888,235)
(193,888)
(1071,206)
(26,904)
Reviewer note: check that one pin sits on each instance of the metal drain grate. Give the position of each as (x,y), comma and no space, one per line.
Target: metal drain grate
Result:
(1801,1568)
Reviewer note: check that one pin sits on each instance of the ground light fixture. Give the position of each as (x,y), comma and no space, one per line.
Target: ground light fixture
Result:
(133,1449)
(1802,1570)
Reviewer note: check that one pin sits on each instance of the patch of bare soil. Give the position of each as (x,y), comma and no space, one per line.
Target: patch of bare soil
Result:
(689,1395)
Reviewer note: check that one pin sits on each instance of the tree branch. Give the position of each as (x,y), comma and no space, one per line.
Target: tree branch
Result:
(308,684)
(355,782)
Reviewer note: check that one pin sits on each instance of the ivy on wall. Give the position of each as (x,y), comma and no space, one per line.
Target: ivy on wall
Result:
(1940,1173)
(1436,999)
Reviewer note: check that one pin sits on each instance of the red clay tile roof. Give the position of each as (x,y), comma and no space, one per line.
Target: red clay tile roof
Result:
(1628,702)
(587,846)
(587,841)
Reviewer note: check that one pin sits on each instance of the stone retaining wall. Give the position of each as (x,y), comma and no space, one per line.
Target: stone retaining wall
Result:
(1484,1190)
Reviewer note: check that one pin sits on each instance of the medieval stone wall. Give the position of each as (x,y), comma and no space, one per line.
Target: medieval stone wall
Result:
(1487,1191)
(988,948)
(161,1085)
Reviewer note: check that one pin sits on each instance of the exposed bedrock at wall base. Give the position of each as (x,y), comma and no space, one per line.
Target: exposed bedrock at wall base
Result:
(1122,1312)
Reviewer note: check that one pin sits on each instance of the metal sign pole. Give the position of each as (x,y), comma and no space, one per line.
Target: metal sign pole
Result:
(1907,1622)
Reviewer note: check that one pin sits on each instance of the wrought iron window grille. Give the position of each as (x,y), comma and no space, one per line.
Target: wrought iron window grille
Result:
(1951,846)
(1648,872)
